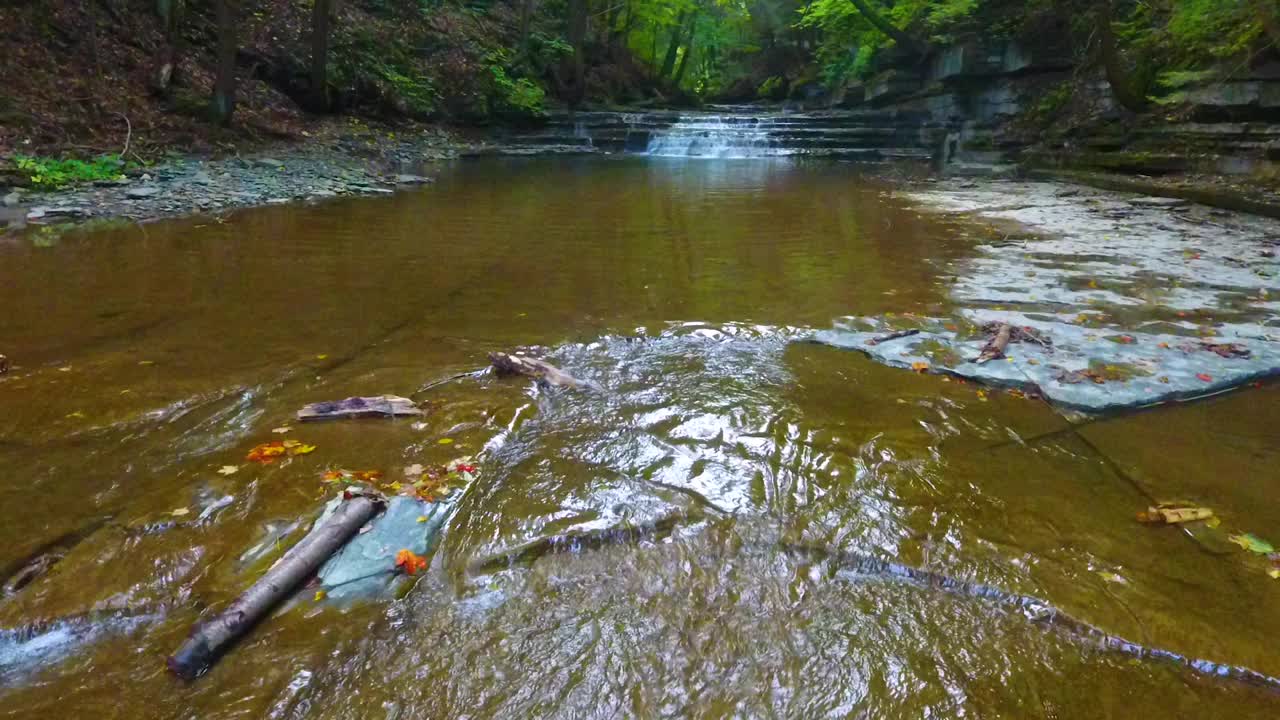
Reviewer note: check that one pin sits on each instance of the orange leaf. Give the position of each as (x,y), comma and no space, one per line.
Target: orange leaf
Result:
(410,562)
(1206,377)
(920,366)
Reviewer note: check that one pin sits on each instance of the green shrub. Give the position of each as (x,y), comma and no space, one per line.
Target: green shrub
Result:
(48,172)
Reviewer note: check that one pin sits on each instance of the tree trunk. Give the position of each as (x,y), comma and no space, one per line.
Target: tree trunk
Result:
(526,15)
(1270,18)
(1126,91)
(684,59)
(224,84)
(320,13)
(677,37)
(209,639)
(578,39)
(170,12)
(880,23)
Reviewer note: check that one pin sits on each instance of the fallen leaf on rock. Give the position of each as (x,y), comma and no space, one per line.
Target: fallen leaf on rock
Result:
(320,595)
(422,518)
(1205,377)
(1253,543)
(920,366)
(410,562)
(179,512)
(228,469)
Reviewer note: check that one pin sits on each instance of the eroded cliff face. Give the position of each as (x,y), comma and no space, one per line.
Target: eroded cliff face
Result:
(1000,101)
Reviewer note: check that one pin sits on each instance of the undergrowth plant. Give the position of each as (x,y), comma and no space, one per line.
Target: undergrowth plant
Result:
(47,172)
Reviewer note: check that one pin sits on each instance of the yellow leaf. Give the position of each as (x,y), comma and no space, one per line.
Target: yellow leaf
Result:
(445,441)
(228,469)
(77,414)
(422,518)
(322,357)
(319,595)
(302,450)
(146,362)
(1274,573)
(290,443)
(180,512)
(281,430)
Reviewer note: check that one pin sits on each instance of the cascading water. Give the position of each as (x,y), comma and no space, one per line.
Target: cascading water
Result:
(714,137)
(736,132)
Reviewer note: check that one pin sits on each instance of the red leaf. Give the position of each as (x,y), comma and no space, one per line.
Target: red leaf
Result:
(1205,377)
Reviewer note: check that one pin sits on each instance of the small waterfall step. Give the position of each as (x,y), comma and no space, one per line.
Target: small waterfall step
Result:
(735,132)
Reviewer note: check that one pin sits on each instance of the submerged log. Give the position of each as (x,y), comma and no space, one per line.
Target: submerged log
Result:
(505,364)
(209,639)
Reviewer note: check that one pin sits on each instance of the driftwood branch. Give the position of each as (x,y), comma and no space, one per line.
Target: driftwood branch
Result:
(539,370)
(209,639)
(128,135)
(893,336)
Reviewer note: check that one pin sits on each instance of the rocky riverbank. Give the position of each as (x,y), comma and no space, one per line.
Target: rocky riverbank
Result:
(365,163)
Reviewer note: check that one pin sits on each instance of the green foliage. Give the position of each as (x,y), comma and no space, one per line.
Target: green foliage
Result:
(515,96)
(771,87)
(52,173)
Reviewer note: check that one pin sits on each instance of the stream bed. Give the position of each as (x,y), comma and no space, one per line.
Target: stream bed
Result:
(719,530)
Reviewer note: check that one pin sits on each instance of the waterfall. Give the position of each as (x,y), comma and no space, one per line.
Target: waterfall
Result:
(714,137)
(736,132)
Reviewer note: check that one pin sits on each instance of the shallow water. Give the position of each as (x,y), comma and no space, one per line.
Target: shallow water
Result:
(149,357)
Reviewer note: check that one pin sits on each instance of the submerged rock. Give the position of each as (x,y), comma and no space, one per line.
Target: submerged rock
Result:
(1143,300)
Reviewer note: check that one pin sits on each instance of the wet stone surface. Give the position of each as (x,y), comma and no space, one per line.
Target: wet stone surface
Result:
(1141,300)
(195,185)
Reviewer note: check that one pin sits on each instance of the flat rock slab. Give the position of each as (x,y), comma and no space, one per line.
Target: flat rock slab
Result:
(365,566)
(1083,369)
(1135,294)
(360,407)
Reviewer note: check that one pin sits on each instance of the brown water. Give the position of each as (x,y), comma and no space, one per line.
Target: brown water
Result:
(149,357)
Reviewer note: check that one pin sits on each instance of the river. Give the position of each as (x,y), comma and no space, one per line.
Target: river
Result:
(717,486)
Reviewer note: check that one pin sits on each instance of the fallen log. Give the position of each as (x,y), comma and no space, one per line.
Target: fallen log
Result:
(994,350)
(210,638)
(540,370)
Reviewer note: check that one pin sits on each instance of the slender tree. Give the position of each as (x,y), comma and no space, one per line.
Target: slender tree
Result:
(669,62)
(902,37)
(577,39)
(688,50)
(320,13)
(1128,88)
(224,85)
(170,13)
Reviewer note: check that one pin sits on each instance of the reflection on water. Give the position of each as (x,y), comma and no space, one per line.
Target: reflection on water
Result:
(624,552)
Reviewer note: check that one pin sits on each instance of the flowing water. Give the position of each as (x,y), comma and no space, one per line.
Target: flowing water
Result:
(738,524)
